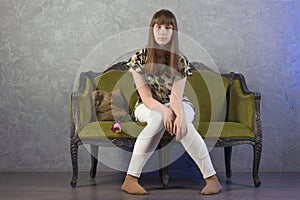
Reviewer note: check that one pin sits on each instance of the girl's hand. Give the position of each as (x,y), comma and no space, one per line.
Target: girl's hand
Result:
(180,127)
(168,120)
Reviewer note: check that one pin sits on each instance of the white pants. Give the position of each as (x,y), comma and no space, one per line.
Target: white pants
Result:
(150,136)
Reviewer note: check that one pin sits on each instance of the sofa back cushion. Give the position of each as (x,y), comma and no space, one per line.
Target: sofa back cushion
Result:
(205,89)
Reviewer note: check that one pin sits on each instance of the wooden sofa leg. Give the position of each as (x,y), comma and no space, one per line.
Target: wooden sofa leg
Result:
(227,153)
(74,157)
(165,176)
(164,168)
(256,160)
(94,160)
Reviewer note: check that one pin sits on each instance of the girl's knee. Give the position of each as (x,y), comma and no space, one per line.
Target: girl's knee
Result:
(144,114)
(155,117)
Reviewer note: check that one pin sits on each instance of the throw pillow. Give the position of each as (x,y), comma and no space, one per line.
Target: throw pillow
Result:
(110,106)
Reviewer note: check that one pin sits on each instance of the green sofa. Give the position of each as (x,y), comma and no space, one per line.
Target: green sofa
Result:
(226,114)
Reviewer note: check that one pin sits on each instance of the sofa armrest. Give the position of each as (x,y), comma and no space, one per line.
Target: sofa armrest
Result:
(81,106)
(257,117)
(243,104)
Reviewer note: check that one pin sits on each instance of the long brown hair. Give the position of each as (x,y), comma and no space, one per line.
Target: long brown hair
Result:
(163,17)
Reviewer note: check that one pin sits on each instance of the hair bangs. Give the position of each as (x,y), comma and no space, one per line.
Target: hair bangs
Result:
(164,20)
(164,17)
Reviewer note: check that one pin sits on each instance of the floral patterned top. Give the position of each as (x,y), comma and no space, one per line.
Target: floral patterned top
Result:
(160,82)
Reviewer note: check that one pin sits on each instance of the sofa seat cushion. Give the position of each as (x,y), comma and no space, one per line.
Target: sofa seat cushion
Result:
(103,129)
(225,130)
(132,129)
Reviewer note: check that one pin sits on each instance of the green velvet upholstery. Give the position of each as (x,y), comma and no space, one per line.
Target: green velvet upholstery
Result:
(132,129)
(241,107)
(84,109)
(206,90)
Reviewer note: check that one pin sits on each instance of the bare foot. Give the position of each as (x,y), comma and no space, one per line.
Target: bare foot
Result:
(132,186)
(213,186)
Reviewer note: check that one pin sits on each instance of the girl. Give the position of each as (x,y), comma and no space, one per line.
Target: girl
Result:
(159,72)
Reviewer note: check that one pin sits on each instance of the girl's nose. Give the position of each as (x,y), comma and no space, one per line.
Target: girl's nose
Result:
(163,30)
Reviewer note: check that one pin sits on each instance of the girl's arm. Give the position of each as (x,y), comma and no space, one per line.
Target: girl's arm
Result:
(176,105)
(151,103)
(176,97)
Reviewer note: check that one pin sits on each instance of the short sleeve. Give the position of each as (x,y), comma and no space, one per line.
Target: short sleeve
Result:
(184,68)
(137,61)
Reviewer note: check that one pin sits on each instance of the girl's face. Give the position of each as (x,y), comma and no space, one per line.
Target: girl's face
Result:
(162,34)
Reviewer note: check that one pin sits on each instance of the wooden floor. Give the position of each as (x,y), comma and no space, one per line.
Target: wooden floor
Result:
(55,185)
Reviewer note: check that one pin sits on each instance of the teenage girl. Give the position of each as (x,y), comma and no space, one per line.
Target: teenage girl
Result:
(159,72)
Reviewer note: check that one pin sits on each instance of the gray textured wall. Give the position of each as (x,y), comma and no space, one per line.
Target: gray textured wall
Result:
(44,42)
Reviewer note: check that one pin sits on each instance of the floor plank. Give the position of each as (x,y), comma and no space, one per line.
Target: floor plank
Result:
(55,185)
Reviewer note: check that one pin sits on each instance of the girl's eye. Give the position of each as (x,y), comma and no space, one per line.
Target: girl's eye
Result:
(166,27)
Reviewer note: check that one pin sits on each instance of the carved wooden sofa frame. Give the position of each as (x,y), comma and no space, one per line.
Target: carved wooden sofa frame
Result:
(128,143)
